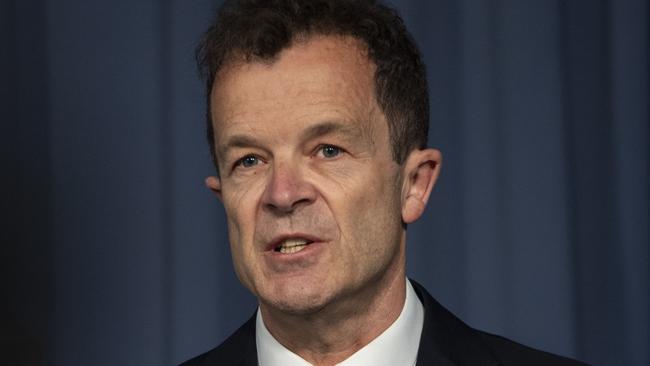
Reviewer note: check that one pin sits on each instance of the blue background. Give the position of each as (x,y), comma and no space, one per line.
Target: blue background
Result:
(114,253)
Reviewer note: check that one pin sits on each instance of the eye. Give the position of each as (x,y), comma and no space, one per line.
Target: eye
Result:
(330,151)
(248,161)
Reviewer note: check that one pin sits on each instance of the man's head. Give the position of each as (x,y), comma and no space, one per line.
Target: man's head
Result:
(317,182)
(258,30)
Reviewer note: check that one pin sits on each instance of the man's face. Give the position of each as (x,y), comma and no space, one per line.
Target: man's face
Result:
(312,194)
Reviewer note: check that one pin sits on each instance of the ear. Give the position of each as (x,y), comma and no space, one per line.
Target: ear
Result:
(214,184)
(421,171)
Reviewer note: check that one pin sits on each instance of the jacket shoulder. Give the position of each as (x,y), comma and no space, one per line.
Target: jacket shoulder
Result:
(237,350)
(512,353)
(448,340)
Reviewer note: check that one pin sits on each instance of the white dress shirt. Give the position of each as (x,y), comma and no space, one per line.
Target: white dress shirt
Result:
(396,346)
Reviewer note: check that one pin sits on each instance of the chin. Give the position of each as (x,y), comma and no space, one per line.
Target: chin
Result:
(298,308)
(297,301)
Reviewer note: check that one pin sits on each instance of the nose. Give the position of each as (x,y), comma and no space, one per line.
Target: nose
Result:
(287,189)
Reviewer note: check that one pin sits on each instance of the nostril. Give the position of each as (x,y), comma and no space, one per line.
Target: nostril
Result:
(287,193)
(289,207)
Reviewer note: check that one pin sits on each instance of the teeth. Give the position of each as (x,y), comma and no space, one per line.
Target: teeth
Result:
(292,246)
(290,250)
(293,242)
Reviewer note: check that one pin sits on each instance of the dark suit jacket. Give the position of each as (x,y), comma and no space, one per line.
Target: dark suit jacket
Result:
(445,341)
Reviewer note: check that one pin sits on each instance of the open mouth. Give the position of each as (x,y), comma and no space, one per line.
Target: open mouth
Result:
(293,245)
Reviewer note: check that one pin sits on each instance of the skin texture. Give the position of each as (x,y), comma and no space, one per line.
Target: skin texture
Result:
(303,150)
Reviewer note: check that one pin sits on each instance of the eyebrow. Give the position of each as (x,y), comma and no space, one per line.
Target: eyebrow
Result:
(330,127)
(320,129)
(238,141)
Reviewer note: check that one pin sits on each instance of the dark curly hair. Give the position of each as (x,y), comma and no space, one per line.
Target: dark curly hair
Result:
(258,30)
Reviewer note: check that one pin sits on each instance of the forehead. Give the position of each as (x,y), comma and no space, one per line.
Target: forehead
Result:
(317,76)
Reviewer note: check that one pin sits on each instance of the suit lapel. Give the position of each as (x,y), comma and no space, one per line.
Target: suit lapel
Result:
(446,340)
(249,357)
(239,349)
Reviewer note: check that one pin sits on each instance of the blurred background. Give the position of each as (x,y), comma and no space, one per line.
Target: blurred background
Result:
(114,253)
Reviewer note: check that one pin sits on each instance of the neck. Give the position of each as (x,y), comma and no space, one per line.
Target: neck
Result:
(335,332)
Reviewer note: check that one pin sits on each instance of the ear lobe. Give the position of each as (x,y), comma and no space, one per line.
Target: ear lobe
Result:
(214,184)
(421,170)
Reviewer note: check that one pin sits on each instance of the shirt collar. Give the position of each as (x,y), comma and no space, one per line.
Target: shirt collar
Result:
(397,345)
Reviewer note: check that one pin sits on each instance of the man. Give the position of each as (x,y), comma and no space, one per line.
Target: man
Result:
(317,122)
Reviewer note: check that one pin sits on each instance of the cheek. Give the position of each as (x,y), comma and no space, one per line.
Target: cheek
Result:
(240,227)
(237,248)
(241,207)
(369,213)
(241,202)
